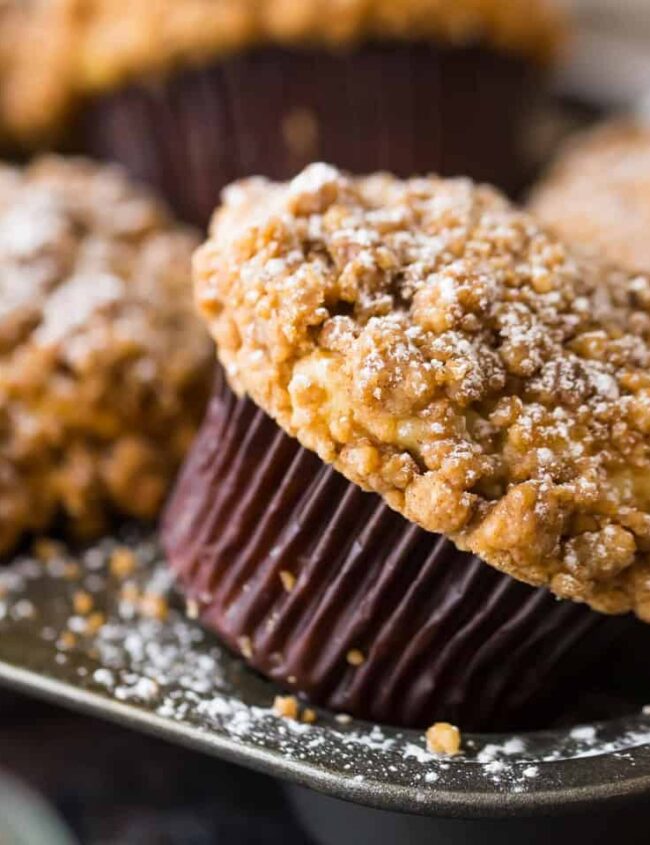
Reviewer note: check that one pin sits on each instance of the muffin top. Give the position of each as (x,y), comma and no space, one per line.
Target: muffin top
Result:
(103,365)
(54,51)
(597,194)
(439,347)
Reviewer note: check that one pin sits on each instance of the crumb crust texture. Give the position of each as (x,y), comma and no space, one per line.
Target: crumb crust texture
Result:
(86,46)
(440,348)
(104,367)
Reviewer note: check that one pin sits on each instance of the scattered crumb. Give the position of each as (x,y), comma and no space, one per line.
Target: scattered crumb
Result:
(122,563)
(245,646)
(443,738)
(286,706)
(192,609)
(82,602)
(154,606)
(343,718)
(67,640)
(355,657)
(94,622)
(288,580)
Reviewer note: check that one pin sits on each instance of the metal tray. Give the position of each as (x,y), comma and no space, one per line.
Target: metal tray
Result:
(136,659)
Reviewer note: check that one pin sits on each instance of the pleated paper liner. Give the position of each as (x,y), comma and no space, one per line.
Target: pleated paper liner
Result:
(405,108)
(323,588)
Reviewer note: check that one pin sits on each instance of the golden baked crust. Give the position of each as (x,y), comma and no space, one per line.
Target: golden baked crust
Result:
(103,366)
(438,347)
(597,194)
(54,51)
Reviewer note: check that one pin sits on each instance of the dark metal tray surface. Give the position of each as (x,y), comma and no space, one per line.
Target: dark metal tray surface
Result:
(135,658)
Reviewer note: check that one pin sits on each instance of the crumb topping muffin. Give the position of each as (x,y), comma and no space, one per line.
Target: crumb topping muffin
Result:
(439,347)
(85,46)
(103,366)
(597,194)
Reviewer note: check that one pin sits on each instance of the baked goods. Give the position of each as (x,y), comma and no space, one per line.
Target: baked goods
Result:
(596,194)
(436,346)
(104,368)
(326,590)
(193,95)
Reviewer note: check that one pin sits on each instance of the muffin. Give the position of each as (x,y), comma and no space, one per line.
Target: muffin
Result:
(104,368)
(597,193)
(192,95)
(428,343)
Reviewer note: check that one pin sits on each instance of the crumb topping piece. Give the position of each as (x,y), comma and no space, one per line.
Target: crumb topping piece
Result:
(103,366)
(122,563)
(85,46)
(443,739)
(355,657)
(597,194)
(82,602)
(439,347)
(288,580)
(288,707)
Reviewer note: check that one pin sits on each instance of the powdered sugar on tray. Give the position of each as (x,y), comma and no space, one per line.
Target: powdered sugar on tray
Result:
(106,621)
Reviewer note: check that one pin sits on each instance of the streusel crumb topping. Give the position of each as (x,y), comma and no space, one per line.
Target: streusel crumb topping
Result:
(439,347)
(597,194)
(54,51)
(104,367)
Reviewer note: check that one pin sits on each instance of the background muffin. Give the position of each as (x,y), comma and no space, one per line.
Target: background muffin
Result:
(432,344)
(103,366)
(597,193)
(191,95)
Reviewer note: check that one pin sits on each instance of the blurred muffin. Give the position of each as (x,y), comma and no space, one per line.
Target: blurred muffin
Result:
(597,194)
(103,365)
(191,95)
(435,346)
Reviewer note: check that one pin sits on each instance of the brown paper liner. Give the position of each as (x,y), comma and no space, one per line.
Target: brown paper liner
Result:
(409,109)
(443,635)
